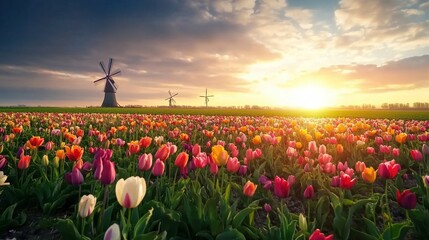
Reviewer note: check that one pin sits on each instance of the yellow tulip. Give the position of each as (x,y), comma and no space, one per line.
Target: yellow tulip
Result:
(369,175)
(130,192)
(219,155)
(45,160)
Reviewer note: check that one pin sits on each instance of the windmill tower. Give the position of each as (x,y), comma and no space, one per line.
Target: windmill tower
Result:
(170,99)
(110,87)
(207,98)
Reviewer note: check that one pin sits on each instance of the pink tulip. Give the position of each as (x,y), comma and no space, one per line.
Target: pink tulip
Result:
(232,165)
(163,152)
(281,187)
(158,168)
(145,161)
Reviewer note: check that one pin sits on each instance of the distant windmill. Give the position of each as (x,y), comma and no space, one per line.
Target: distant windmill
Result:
(110,86)
(207,98)
(170,99)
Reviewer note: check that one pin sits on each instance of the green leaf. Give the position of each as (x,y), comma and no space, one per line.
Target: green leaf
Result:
(396,231)
(371,227)
(141,225)
(362,235)
(107,217)
(227,192)
(7,215)
(240,216)
(231,234)
(204,235)
(212,217)
(68,230)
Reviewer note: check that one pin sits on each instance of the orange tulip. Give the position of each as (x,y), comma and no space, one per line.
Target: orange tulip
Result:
(74,153)
(181,160)
(257,140)
(134,147)
(60,154)
(401,138)
(340,148)
(369,175)
(249,189)
(219,155)
(145,142)
(36,141)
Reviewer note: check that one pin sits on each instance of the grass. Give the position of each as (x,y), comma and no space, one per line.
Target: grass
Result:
(350,113)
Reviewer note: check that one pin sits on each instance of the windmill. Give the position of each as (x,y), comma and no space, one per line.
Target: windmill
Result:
(207,98)
(170,99)
(110,86)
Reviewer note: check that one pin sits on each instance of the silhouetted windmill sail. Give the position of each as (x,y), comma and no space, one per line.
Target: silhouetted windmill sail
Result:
(110,87)
(170,99)
(206,98)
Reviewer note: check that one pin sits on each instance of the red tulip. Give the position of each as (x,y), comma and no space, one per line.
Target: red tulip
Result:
(163,152)
(24,162)
(214,168)
(181,160)
(388,169)
(318,235)
(346,182)
(406,199)
(309,192)
(36,141)
(416,155)
(281,187)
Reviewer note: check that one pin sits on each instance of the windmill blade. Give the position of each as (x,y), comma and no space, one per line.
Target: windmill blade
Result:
(202,96)
(167,98)
(211,96)
(117,72)
(112,84)
(175,95)
(173,100)
(169,93)
(99,79)
(103,67)
(110,66)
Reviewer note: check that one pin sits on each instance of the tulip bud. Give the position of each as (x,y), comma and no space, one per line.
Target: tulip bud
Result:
(3,161)
(20,152)
(267,207)
(45,160)
(113,233)
(158,168)
(302,222)
(56,162)
(242,170)
(108,174)
(1,148)
(309,192)
(214,168)
(86,205)
(425,149)
(181,160)
(426,181)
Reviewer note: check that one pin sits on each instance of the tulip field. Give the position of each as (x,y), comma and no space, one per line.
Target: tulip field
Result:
(145,176)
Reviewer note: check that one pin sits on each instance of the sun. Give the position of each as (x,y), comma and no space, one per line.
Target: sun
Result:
(310,96)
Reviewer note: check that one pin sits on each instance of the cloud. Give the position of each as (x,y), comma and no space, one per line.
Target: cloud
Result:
(405,74)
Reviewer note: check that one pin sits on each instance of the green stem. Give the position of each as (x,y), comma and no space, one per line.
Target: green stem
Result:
(82,227)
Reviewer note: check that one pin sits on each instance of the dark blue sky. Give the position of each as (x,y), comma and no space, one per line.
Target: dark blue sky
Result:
(240,50)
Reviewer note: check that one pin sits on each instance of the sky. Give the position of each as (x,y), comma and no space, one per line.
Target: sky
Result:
(293,53)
